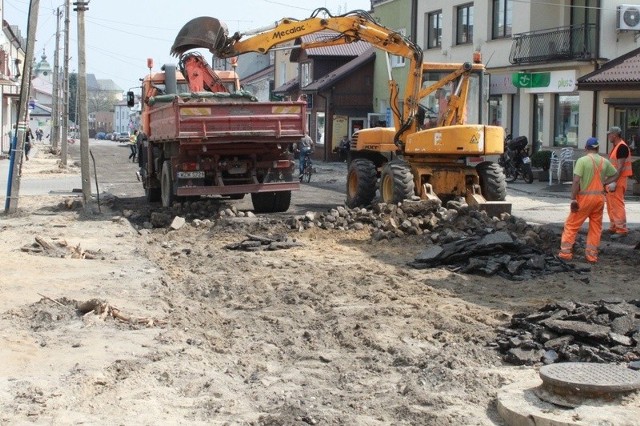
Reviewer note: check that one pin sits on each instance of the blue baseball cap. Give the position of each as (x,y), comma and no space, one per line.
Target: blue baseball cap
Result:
(592,143)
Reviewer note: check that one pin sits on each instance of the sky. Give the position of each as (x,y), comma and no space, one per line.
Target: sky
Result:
(122,34)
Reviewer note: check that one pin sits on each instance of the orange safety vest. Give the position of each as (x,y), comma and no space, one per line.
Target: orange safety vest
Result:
(595,187)
(626,167)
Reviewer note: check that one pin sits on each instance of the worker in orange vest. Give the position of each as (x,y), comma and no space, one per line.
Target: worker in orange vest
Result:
(590,175)
(621,159)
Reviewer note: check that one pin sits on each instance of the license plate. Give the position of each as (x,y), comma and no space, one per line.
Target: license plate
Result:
(191,175)
(526,160)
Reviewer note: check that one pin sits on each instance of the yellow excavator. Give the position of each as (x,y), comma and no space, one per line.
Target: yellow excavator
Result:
(425,152)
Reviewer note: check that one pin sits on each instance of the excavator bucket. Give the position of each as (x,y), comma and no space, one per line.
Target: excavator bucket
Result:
(203,32)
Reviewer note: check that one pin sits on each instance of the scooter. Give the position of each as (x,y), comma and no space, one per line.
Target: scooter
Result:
(515,160)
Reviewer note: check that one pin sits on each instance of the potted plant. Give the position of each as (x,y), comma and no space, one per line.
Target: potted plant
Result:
(541,160)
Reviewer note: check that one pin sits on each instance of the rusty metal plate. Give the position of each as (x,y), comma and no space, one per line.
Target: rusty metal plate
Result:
(590,377)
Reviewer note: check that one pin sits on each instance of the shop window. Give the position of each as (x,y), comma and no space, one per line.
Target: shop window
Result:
(320,128)
(538,115)
(628,119)
(495,110)
(566,120)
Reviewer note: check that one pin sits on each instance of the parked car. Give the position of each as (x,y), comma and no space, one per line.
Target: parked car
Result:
(123,137)
(108,136)
(101,135)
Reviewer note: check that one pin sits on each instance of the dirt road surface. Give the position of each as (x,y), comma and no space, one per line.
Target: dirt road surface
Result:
(336,331)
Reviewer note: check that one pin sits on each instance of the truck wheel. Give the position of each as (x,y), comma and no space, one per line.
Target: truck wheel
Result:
(282,201)
(166,185)
(153,195)
(271,202)
(396,182)
(492,181)
(361,182)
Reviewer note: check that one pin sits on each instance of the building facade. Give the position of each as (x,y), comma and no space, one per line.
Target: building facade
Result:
(535,53)
(12,59)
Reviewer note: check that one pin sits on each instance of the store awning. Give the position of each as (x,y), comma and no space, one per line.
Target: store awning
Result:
(622,73)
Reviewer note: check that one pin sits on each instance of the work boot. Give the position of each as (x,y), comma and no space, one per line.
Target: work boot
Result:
(565,256)
(591,259)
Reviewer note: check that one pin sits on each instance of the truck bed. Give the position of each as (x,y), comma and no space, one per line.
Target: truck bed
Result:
(227,119)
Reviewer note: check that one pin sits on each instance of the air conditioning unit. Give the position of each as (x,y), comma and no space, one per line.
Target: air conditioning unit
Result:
(628,17)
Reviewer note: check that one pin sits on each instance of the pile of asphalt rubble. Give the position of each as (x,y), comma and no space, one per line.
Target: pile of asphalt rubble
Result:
(603,331)
(458,237)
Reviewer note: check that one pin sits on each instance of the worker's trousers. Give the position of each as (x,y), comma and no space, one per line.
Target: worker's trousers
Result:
(616,209)
(592,208)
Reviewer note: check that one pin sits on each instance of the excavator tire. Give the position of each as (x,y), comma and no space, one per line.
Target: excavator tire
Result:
(396,182)
(361,182)
(271,202)
(492,181)
(166,185)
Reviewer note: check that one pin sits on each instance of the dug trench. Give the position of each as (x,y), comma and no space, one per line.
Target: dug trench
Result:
(336,326)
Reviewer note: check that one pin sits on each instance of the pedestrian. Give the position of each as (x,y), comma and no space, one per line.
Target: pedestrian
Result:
(343,148)
(305,146)
(590,175)
(28,137)
(133,141)
(621,159)
(142,137)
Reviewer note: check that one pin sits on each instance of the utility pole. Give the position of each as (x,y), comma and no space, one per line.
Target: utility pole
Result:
(13,187)
(55,130)
(65,87)
(83,121)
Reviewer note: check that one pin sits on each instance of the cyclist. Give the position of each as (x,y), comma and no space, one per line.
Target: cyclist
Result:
(305,147)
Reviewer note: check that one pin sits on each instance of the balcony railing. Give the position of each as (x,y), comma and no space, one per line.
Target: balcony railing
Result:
(577,42)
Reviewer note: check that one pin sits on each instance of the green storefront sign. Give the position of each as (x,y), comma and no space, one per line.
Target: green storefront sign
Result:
(528,80)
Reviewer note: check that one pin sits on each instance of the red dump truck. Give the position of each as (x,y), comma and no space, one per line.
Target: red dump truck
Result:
(206,137)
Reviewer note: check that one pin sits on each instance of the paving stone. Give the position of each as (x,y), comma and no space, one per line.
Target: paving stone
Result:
(577,328)
(559,342)
(524,357)
(430,254)
(621,339)
(623,325)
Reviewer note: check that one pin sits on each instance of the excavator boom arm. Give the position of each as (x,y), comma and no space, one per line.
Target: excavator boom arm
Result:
(350,27)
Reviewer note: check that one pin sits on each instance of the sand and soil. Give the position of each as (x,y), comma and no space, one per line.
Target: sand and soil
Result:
(336,331)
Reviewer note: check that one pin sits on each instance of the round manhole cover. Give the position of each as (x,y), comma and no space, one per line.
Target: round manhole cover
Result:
(590,377)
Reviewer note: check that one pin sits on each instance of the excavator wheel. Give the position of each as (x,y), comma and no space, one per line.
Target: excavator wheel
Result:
(202,32)
(492,181)
(361,182)
(396,182)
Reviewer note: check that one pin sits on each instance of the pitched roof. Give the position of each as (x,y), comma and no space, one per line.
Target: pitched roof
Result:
(108,85)
(349,49)
(289,86)
(339,73)
(260,75)
(618,73)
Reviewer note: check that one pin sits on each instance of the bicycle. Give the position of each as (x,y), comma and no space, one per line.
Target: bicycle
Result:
(307,168)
